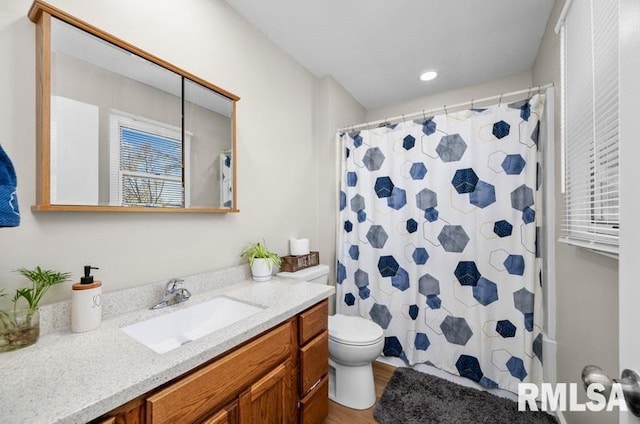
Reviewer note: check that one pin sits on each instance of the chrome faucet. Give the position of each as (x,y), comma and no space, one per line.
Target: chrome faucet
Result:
(173,293)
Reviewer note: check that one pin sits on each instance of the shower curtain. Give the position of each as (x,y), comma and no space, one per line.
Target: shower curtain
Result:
(438,240)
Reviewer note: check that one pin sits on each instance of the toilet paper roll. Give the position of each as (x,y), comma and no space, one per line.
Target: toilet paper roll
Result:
(299,247)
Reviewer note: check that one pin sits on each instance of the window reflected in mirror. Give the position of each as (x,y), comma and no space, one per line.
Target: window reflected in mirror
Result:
(147,160)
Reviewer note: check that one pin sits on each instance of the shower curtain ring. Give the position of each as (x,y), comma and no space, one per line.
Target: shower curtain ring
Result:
(445,111)
(529,94)
(500,101)
(471,103)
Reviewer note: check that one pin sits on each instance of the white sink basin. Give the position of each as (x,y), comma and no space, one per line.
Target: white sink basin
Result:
(172,330)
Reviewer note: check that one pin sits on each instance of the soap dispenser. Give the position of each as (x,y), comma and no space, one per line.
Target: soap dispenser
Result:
(86,303)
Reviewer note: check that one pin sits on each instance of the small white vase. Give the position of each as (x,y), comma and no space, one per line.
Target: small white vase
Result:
(261,269)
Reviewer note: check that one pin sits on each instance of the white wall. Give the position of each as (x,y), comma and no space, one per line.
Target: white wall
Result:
(586,283)
(629,289)
(335,108)
(276,156)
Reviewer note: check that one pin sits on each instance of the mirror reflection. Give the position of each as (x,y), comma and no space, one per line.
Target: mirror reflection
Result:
(127,132)
(207,120)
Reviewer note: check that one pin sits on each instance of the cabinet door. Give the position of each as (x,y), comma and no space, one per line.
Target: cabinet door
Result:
(265,402)
(314,407)
(314,361)
(218,383)
(229,415)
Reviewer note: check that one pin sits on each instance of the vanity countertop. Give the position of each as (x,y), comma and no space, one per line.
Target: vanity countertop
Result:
(71,378)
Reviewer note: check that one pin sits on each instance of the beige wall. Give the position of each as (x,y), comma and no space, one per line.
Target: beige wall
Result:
(277,149)
(334,109)
(586,282)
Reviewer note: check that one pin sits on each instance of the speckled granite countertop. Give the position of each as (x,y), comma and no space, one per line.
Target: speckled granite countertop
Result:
(73,378)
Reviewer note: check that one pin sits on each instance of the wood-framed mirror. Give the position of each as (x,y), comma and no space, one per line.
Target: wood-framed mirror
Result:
(120,130)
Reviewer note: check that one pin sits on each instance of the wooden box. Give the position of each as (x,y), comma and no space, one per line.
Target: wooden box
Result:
(296,263)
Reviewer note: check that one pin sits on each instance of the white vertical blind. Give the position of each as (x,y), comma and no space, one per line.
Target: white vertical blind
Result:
(589,35)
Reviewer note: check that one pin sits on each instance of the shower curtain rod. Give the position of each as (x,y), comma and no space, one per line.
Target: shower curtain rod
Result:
(445,108)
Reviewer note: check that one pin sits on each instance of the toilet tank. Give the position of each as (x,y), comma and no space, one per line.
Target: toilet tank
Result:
(316,274)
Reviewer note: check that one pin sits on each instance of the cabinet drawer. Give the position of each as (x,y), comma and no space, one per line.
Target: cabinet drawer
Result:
(314,361)
(314,408)
(313,321)
(214,385)
(130,413)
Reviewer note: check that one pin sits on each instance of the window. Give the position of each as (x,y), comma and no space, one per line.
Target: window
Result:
(589,37)
(147,162)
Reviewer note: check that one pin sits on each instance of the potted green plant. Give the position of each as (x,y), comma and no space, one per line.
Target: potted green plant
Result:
(261,261)
(20,323)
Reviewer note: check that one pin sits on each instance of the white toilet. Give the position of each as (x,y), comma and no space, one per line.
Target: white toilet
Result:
(354,342)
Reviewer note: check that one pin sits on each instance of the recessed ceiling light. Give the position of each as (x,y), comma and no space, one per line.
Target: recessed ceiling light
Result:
(428,75)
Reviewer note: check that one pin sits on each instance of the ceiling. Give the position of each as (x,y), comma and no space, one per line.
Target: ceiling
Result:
(376,49)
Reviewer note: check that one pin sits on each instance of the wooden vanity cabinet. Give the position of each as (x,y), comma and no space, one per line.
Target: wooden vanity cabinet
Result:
(279,377)
(266,400)
(130,413)
(259,375)
(227,415)
(313,357)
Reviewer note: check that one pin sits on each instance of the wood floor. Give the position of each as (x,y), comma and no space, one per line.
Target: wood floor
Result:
(339,414)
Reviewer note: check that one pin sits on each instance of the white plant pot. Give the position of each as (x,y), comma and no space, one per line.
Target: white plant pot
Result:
(261,269)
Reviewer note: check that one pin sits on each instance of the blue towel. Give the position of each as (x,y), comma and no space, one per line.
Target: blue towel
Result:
(9,213)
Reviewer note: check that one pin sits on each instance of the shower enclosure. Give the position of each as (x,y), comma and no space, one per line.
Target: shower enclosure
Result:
(439,239)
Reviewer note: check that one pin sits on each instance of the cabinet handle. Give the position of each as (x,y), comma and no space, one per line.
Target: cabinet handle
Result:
(314,385)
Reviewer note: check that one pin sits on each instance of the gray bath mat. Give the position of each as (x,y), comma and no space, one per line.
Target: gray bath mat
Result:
(412,397)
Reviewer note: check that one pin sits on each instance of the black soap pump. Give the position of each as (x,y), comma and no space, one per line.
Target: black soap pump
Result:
(88,278)
(86,303)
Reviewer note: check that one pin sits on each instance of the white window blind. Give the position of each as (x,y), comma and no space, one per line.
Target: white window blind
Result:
(147,162)
(589,33)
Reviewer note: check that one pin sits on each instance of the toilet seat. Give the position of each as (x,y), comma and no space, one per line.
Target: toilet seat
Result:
(354,330)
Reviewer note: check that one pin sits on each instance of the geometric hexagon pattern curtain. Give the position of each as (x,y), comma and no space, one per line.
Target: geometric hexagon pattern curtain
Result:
(439,220)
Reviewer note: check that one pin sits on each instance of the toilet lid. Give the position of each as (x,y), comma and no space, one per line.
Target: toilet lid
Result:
(354,330)
(306,274)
